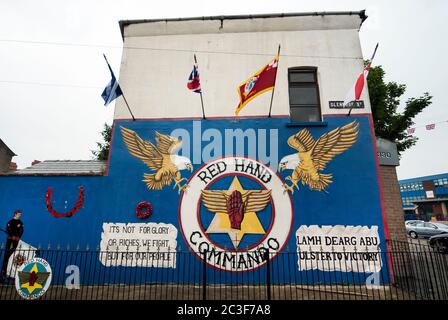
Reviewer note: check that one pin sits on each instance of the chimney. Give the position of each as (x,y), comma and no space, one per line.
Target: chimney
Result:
(35,162)
(13,166)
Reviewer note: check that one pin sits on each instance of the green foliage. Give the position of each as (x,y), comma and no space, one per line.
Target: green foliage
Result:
(103,152)
(385,99)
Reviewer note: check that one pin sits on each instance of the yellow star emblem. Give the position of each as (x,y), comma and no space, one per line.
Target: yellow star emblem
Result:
(251,202)
(33,280)
(31,285)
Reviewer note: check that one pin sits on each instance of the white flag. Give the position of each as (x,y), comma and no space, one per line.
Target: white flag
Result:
(22,254)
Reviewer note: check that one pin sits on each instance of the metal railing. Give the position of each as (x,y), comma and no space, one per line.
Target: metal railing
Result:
(419,269)
(407,271)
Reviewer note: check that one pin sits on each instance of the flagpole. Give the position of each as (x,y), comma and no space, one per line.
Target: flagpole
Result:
(275,80)
(370,61)
(374,51)
(122,93)
(200,93)
(127,105)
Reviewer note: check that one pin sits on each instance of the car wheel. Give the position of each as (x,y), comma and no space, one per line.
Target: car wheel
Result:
(413,235)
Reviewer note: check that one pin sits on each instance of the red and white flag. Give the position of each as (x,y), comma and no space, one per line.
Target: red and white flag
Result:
(411,130)
(430,126)
(355,92)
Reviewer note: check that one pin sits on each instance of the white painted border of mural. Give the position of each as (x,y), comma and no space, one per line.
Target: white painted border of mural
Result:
(139,245)
(339,248)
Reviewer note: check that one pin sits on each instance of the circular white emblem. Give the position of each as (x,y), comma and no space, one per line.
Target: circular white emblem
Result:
(249,85)
(33,278)
(233,211)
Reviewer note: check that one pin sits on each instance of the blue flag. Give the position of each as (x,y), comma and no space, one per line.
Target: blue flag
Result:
(113,90)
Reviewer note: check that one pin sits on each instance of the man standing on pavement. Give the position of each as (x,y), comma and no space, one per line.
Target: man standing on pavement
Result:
(14,229)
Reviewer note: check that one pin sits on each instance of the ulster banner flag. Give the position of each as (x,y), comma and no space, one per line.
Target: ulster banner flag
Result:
(261,81)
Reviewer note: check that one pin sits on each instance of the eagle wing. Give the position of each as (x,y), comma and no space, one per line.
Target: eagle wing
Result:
(301,141)
(256,200)
(167,144)
(42,277)
(144,150)
(333,143)
(214,200)
(23,276)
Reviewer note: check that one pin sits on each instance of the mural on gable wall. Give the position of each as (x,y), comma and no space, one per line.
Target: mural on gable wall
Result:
(234,206)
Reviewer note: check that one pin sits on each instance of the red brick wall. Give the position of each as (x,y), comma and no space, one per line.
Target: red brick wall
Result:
(392,203)
(5,159)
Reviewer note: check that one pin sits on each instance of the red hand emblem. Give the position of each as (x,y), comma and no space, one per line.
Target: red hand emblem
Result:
(235,209)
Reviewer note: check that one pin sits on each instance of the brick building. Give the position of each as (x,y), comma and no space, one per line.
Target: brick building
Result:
(393,209)
(425,198)
(6,155)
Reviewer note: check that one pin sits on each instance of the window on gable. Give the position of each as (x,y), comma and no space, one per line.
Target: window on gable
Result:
(304,101)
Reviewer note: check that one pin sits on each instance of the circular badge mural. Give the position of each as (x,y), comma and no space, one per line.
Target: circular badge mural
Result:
(234,210)
(33,278)
(250,85)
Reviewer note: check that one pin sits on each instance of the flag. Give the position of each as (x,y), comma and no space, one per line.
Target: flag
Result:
(113,90)
(355,92)
(193,80)
(411,130)
(260,82)
(22,254)
(430,126)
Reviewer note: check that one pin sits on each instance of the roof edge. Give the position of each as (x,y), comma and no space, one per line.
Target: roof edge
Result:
(81,174)
(361,13)
(7,148)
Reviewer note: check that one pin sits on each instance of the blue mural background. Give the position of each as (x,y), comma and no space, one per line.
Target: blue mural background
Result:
(352,199)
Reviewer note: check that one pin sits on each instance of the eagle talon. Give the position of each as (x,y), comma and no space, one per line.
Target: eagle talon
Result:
(294,183)
(181,187)
(184,187)
(288,188)
(177,184)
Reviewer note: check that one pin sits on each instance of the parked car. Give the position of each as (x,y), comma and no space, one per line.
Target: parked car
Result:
(417,228)
(439,242)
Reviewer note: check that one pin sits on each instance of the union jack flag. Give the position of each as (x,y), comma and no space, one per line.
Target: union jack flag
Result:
(193,81)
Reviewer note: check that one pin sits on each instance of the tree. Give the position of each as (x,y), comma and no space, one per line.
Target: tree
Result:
(385,99)
(103,152)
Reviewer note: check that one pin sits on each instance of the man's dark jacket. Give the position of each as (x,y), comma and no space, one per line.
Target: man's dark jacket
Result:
(14,228)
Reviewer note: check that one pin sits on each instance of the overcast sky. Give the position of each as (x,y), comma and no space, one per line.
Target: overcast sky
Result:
(52,71)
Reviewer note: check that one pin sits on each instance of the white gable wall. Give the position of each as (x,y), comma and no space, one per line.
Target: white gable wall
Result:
(158,58)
